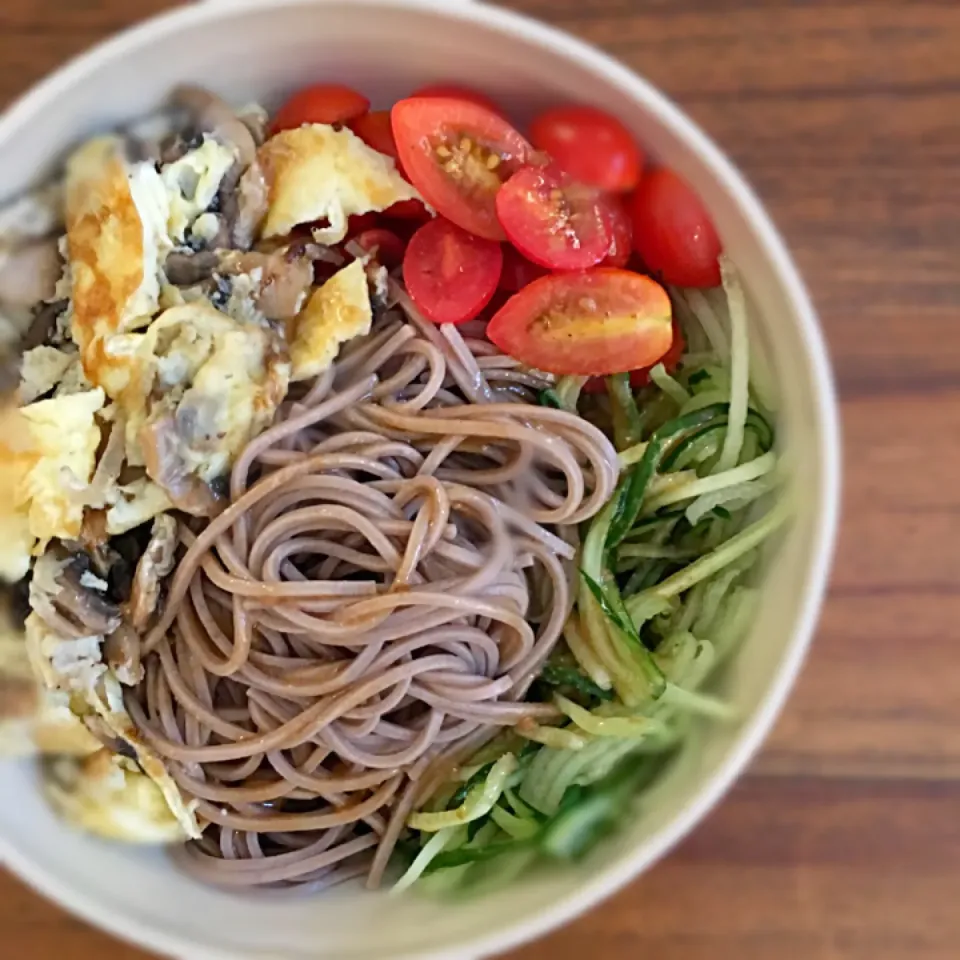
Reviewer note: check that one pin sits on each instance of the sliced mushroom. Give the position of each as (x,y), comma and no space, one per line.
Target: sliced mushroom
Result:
(286,277)
(68,606)
(215,116)
(155,565)
(256,120)
(94,541)
(252,203)
(85,605)
(166,467)
(29,274)
(175,147)
(188,269)
(44,324)
(121,651)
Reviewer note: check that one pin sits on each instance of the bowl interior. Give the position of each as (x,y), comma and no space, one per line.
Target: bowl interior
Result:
(387,49)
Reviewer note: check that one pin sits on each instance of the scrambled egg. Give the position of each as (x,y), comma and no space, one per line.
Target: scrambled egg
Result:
(16,460)
(41,369)
(339,311)
(221,379)
(319,173)
(117,242)
(136,503)
(107,795)
(63,441)
(193,182)
(76,668)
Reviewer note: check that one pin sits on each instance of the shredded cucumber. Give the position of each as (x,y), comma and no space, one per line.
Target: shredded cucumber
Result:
(663,600)
(478,803)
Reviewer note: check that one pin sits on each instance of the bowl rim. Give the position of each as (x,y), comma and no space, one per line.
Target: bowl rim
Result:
(29,106)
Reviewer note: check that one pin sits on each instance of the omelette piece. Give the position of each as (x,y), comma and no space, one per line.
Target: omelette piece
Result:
(17,459)
(117,242)
(136,503)
(213,383)
(75,667)
(33,719)
(41,370)
(319,173)
(109,705)
(339,311)
(108,795)
(192,183)
(60,458)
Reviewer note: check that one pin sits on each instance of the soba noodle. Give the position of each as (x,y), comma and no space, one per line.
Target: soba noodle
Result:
(391,575)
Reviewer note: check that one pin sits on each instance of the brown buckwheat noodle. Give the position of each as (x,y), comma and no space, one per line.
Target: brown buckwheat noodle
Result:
(392,572)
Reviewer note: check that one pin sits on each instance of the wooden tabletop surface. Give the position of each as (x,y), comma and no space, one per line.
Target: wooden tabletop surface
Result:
(843,842)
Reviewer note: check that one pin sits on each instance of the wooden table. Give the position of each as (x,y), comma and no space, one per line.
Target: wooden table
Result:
(843,843)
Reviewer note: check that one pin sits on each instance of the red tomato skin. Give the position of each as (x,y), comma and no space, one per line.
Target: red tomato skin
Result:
(375,131)
(408,210)
(591,145)
(569,234)
(518,271)
(450,274)
(466,197)
(388,246)
(453,91)
(544,325)
(322,103)
(641,378)
(673,232)
(361,222)
(621,234)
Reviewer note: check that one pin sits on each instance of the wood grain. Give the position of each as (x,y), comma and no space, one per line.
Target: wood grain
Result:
(843,842)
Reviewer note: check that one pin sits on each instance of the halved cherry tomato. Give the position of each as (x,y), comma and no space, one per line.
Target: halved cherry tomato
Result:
(408,210)
(673,232)
(640,378)
(592,323)
(385,246)
(621,233)
(552,220)
(592,146)
(451,274)
(375,131)
(453,91)
(322,103)
(518,271)
(361,222)
(458,155)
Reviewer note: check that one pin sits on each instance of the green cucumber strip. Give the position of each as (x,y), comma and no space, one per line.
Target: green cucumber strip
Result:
(627,425)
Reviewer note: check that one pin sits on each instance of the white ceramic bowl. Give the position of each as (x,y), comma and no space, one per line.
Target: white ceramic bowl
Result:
(262,49)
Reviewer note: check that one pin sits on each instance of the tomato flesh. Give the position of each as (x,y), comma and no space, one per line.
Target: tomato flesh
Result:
(322,103)
(641,378)
(673,232)
(591,145)
(385,246)
(621,233)
(553,221)
(594,323)
(453,91)
(451,274)
(458,155)
(375,131)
